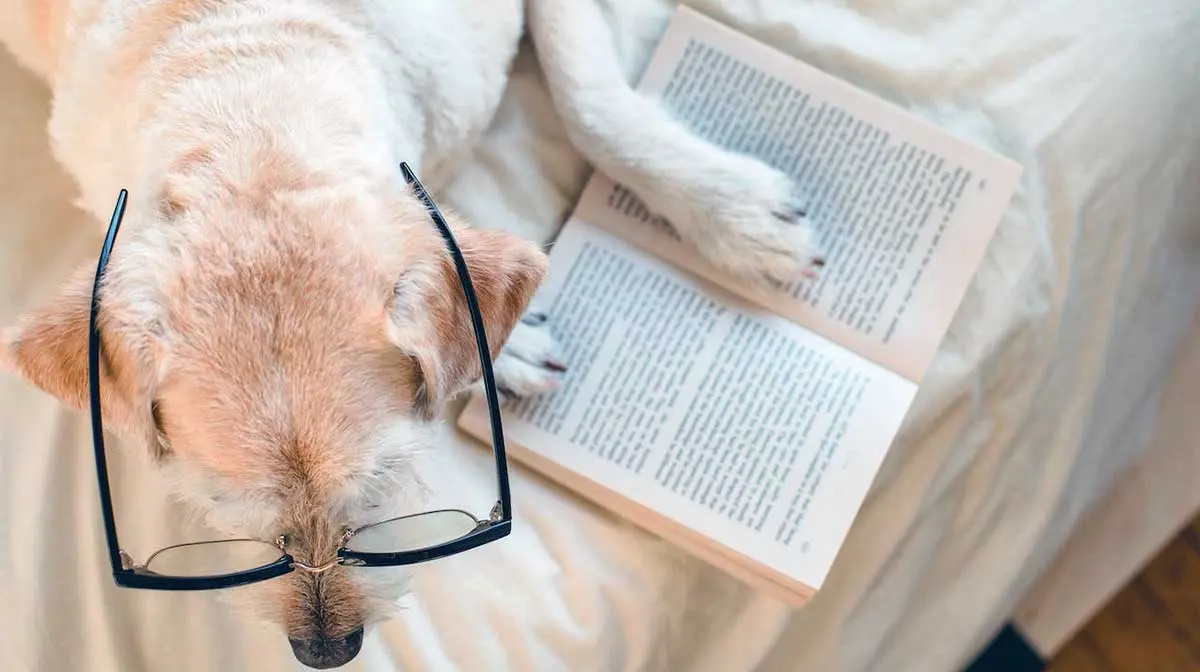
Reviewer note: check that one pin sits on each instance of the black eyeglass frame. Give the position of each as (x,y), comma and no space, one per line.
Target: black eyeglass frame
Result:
(496,526)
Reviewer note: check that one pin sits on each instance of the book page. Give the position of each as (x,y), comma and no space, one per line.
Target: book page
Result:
(736,425)
(903,210)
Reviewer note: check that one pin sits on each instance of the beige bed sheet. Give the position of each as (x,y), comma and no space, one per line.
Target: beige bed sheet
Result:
(1044,389)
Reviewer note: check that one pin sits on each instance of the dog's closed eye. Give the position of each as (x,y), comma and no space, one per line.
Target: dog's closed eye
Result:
(164,444)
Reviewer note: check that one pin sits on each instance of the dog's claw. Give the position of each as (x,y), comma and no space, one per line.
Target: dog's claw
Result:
(792,216)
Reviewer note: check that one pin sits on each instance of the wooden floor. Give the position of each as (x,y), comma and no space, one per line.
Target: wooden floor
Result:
(1152,625)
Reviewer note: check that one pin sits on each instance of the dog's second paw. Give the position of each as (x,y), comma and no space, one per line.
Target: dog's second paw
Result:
(528,363)
(745,217)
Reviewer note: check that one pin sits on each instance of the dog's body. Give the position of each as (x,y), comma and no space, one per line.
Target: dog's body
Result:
(280,322)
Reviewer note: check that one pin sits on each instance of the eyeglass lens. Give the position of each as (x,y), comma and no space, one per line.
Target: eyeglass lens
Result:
(214,558)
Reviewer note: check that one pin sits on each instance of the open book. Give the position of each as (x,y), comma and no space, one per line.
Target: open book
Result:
(747,424)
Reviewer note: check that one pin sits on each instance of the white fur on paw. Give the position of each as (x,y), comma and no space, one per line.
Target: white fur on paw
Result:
(528,364)
(745,217)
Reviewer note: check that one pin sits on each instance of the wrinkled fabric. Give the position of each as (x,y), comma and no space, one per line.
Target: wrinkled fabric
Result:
(1042,392)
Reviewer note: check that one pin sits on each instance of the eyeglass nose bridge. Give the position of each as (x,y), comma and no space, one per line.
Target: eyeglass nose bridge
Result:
(318,569)
(281,542)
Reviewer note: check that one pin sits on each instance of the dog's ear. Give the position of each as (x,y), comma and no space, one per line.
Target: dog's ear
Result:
(429,317)
(49,347)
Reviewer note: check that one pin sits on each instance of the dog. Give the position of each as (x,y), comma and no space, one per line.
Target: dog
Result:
(281,322)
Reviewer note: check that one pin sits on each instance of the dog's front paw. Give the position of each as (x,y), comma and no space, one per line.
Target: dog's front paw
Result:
(528,364)
(746,218)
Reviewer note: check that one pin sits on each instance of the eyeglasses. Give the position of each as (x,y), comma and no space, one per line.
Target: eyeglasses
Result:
(225,563)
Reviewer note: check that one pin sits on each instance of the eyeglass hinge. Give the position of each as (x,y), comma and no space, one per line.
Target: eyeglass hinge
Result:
(497,513)
(127,561)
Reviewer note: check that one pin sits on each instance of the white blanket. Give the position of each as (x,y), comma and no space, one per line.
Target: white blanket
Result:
(1043,389)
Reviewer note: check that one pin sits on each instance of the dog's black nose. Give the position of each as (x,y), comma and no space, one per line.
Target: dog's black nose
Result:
(327,652)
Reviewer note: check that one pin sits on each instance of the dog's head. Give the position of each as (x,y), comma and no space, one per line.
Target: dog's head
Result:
(281,355)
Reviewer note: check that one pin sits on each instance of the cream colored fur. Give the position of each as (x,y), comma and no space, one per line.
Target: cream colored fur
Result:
(281,322)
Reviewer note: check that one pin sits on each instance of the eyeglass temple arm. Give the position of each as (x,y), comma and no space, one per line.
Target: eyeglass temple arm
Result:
(485,355)
(106,507)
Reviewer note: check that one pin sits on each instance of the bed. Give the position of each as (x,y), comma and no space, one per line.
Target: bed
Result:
(1043,392)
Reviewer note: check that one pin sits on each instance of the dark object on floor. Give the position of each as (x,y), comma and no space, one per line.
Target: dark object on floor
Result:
(1007,652)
